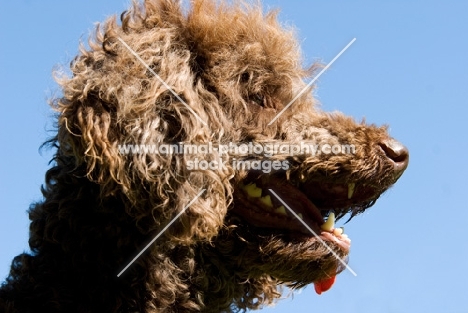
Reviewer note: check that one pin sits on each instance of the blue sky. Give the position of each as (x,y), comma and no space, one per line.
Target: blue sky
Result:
(408,68)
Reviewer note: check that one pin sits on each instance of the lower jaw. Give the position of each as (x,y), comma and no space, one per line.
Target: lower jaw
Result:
(287,226)
(294,232)
(291,257)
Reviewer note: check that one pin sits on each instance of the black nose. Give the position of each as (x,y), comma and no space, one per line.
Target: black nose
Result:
(396,152)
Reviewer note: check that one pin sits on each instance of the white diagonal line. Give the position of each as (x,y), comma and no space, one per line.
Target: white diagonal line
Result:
(161,80)
(161,232)
(316,236)
(313,80)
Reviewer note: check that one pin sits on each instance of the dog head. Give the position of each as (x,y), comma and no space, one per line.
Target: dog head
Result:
(208,105)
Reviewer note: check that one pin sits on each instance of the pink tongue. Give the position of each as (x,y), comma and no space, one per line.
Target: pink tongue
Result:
(324,285)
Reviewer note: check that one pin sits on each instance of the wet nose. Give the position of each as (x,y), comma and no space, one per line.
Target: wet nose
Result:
(396,152)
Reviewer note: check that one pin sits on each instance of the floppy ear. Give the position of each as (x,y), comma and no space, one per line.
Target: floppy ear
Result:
(87,129)
(118,97)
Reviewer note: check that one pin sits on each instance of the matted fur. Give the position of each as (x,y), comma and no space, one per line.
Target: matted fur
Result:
(236,67)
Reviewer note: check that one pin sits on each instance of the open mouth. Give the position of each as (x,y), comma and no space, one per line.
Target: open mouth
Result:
(311,201)
(268,201)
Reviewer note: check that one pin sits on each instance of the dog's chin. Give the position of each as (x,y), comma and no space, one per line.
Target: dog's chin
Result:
(291,257)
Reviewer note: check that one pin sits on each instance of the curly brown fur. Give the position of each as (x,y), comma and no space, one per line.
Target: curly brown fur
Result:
(236,68)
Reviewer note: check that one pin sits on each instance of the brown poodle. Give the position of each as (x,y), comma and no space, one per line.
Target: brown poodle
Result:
(180,184)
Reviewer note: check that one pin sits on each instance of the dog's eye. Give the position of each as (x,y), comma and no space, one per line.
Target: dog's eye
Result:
(258,99)
(245,77)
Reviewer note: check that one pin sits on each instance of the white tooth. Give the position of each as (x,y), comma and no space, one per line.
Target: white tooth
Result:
(351,187)
(300,216)
(267,201)
(330,223)
(281,210)
(253,191)
(338,231)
